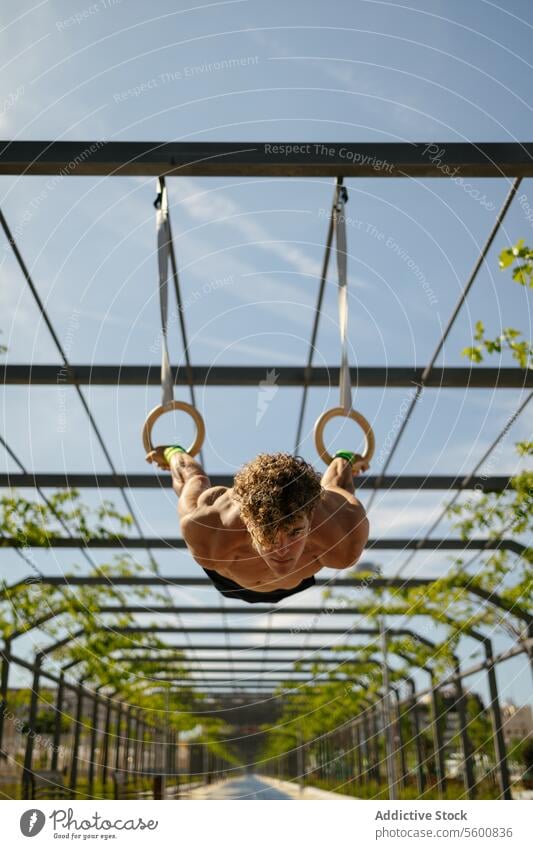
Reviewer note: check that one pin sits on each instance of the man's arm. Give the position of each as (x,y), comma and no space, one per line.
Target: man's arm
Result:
(189,481)
(200,520)
(347,528)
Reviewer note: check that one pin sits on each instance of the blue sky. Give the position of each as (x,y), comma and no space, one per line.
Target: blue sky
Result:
(249,251)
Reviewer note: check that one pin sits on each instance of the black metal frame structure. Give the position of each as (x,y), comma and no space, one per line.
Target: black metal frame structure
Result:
(283,160)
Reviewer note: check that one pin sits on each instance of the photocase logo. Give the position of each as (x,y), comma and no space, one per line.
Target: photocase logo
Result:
(267,390)
(32,822)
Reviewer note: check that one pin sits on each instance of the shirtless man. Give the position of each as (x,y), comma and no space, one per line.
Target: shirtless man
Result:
(266,537)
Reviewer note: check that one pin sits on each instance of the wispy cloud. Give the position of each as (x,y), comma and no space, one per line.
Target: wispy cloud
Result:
(219,343)
(213,205)
(387,521)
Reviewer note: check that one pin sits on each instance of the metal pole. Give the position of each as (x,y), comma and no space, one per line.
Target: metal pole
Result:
(469,780)
(6,658)
(176,762)
(105,743)
(142,747)
(530,645)
(117,737)
(77,733)
(497,726)
(300,760)
(94,737)
(366,732)
(420,777)
(387,719)
(28,756)
(354,738)
(152,755)
(137,742)
(398,739)
(437,738)
(57,720)
(359,753)
(127,742)
(376,766)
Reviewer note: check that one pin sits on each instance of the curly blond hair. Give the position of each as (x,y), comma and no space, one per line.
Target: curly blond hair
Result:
(274,491)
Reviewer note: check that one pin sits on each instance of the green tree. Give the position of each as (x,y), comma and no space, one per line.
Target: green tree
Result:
(509,338)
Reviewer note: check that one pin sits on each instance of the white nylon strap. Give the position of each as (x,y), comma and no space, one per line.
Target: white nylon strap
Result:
(345,384)
(163,256)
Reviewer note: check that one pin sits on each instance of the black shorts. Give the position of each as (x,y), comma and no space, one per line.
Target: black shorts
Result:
(230,589)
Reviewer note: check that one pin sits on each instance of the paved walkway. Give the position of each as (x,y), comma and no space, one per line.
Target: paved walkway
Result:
(258,787)
(246,787)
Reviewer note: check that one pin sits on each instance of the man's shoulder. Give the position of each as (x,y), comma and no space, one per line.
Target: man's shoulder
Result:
(335,506)
(216,512)
(339,528)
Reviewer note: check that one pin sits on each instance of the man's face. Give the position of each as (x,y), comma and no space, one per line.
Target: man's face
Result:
(282,556)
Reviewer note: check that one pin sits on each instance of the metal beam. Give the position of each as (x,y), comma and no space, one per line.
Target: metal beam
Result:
(229,611)
(391,377)
(255,684)
(172,629)
(185,581)
(236,648)
(162,661)
(230,676)
(279,676)
(153,580)
(152,480)
(267,159)
(391,544)
(235,673)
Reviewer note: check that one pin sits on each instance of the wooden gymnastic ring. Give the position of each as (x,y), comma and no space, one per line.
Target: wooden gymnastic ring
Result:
(370,442)
(160,410)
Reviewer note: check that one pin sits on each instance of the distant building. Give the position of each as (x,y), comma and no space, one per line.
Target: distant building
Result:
(517,722)
(450,729)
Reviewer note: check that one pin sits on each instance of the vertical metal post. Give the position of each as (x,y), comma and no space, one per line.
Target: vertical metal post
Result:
(376,765)
(169,752)
(127,742)
(437,738)
(118,738)
(530,645)
(387,719)
(354,743)
(470,784)
(4,681)
(105,743)
(158,785)
(207,763)
(300,760)
(152,752)
(415,720)
(94,737)
(175,762)
(28,756)
(497,725)
(366,731)
(359,752)
(57,720)
(135,741)
(148,746)
(399,739)
(142,746)
(77,734)
(166,733)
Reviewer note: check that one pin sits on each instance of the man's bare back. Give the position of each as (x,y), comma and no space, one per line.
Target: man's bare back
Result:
(219,540)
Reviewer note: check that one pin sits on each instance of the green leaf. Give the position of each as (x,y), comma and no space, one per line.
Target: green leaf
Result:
(479,330)
(473,354)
